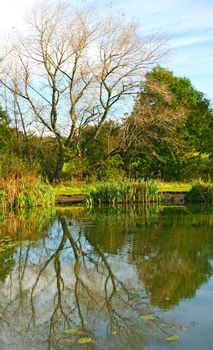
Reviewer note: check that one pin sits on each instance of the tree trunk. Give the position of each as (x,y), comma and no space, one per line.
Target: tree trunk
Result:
(60,160)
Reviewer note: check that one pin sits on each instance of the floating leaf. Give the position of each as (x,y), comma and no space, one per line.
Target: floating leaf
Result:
(70,331)
(172,338)
(147,317)
(85,340)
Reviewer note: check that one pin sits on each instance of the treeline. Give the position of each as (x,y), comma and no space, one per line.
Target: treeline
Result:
(167,135)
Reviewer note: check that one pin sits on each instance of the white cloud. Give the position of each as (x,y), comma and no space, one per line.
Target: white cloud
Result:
(12,13)
(193,39)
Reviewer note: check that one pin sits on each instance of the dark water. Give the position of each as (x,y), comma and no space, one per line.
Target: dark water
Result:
(99,272)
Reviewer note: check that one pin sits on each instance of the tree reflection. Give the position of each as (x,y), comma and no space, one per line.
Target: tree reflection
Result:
(172,247)
(64,281)
(174,258)
(95,272)
(16,227)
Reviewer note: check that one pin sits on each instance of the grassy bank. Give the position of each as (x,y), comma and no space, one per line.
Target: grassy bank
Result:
(173,186)
(136,191)
(73,188)
(26,191)
(81,188)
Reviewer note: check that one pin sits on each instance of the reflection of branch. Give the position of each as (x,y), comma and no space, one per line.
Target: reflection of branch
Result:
(77,268)
(112,291)
(60,287)
(57,252)
(109,299)
(21,273)
(108,302)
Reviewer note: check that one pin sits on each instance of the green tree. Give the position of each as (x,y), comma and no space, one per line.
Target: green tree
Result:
(179,120)
(5,134)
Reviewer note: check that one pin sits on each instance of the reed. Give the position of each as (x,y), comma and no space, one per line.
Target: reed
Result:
(26,191)
(201,192)
(128,191)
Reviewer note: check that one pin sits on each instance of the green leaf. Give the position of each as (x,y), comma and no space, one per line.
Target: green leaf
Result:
(172,338)
(147,317)
(70,331)
(85,340)
(114,333)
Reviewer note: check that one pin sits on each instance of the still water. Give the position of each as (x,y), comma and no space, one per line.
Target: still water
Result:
(119,278)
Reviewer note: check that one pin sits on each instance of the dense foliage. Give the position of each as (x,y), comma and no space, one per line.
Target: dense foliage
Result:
(168,135)
(182,148)
(20,183)
(200,193)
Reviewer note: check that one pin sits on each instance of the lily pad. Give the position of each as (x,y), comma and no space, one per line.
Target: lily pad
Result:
(147,317)
(71,331)
(172,338)
(85,340)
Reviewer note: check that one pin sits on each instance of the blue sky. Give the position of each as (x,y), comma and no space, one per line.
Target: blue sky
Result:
(189,27)
(188,24)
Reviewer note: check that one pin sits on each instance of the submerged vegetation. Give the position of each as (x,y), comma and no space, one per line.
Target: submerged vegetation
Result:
(128,191)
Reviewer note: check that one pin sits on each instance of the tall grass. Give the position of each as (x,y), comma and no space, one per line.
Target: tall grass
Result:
(26,191)
(201,192)
(21,186)
(127,191)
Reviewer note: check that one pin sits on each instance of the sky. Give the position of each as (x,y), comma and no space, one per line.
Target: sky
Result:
(188,25)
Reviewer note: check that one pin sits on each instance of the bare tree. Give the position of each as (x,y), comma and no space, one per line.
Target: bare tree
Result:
(73,70)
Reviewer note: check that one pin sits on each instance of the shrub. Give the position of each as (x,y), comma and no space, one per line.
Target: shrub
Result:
(201,192)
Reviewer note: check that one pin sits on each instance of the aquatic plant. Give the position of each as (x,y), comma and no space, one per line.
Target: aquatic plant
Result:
(128,191)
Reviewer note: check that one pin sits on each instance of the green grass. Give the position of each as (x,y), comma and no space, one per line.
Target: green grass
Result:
(72,190)
(66,189)
(173,186)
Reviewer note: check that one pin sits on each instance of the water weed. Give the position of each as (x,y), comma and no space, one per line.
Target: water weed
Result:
(128,191)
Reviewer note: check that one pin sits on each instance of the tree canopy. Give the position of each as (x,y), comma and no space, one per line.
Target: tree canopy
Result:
(180,123)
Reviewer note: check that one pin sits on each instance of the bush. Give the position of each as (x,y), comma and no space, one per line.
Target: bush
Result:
(201,192)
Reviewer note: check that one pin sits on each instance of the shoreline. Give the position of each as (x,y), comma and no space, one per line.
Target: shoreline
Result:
(167,197)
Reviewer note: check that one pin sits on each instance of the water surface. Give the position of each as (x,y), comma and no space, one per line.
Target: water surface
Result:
(98,272)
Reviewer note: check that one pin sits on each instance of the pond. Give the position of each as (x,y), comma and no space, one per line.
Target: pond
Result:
(129,277)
